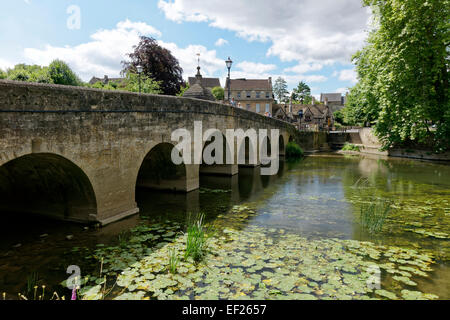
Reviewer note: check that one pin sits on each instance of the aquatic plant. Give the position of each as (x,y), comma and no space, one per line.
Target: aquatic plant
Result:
(32,281)
(197,238)
(293,151)
(351,147)
(373,215)
(173,261)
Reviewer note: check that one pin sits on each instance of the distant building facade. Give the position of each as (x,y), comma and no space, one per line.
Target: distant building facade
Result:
(105,80)
(315,116)
(336,101)
(253,94)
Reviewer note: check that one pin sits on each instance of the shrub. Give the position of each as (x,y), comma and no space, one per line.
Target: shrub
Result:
(293,151)
(350,147)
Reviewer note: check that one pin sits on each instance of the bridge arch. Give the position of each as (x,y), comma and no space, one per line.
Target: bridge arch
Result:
(47,184)
(157,171)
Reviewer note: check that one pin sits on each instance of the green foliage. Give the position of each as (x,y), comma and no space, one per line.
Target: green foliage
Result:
(173,261)
(3,74)
(350,147)
(197,238)
(280,90)
(218,93)
(293,151)
(60,73)
(302,93)
(403,74)
(183,89)
(29,73)
(131,83)
(373,215)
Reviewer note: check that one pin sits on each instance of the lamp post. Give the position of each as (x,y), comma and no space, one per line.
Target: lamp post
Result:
(229,63)
(139,69)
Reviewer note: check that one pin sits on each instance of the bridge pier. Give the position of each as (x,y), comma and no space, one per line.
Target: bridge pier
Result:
(220,169)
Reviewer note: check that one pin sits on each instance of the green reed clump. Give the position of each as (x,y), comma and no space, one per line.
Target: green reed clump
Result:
(197,238)
(32,281)
(293,151)
(173,261)
(373,215)
(350,147)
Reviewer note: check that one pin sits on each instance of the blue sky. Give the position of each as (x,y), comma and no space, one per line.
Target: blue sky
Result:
(310,40)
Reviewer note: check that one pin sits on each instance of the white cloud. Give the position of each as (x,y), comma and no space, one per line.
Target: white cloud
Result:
(305,67)
(348,75)
(187,57)
(308,30)
(255,67)
(342,90)
(220,42)
(5,64)
(100,56)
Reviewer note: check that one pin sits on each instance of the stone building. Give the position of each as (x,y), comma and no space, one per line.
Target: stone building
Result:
(197,90)
(208,83)
(105,80)
(315,116)
(335,100)
(253,94)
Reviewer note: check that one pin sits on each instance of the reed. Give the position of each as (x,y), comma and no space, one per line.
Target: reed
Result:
(197,238)
(373,215)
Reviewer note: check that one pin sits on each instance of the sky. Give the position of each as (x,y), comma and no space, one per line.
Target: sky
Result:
(299,40)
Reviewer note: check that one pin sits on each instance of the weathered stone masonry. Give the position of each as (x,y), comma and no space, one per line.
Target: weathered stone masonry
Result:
(107,134)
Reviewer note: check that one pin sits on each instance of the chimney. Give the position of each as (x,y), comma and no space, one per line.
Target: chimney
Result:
(326,101)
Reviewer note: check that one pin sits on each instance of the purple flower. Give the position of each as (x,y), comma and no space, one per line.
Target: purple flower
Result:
(74,294)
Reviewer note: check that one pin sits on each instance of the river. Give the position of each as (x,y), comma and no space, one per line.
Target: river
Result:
(317,201)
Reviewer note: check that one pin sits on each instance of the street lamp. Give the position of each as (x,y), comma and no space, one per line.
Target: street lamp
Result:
(229,63)
(139,69)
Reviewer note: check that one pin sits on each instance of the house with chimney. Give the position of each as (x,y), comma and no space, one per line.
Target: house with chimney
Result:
(335,100)
(251,94)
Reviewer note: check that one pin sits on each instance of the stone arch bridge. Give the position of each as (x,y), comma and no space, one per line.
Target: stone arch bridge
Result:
(78,153)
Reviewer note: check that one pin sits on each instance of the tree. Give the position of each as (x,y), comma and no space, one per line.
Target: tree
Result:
(60,73)
(280,90)
(302,93)
(29,73)
(3,74)
(158,63)
(403,73)
(218,93)
(131,83)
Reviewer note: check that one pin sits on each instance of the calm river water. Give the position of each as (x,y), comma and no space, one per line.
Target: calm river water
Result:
(317,198)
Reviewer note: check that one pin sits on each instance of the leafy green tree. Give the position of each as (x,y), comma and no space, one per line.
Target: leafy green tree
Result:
(131,83)
(183,89)
(302,93)
(403,73)
(218,93)
(29,73)
(3,74)
(60,73)
(158,63)
(280,90)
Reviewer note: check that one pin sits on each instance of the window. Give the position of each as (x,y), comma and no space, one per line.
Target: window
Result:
(258,108)
(239,95)
(267,95)
(258,94)
(249,94)
(248,106)
(267,107)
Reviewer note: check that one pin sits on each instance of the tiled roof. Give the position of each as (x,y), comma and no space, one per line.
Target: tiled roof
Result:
(250,84)
(206,82)
(332,97)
